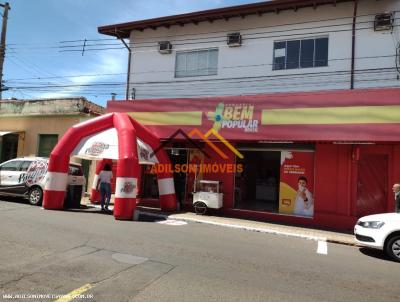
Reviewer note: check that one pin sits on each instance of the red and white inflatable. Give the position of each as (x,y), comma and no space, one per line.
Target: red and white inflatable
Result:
(132,143)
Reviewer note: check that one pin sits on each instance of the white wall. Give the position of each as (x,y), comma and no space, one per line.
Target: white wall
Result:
(248,69)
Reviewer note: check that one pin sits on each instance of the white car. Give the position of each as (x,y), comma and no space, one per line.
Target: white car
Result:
(381,231)
(25,177)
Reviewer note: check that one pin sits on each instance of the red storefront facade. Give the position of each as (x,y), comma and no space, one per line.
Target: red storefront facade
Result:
(345,143)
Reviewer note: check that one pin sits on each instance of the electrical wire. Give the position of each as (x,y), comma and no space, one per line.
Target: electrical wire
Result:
(225,81)
(246,36)
(173,70)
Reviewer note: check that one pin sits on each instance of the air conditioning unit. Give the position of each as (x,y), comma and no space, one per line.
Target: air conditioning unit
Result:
(383,21)
(234,39)
(164,47)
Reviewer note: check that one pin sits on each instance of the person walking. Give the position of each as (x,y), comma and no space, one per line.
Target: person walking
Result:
(104,186)
(396,191)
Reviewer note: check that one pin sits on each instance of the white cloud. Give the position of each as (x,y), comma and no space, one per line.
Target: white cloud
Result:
(113,62)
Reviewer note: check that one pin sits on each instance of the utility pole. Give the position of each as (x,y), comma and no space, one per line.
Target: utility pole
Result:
(3,43)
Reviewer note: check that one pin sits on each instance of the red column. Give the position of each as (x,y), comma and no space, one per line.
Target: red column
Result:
(127,170)
(56,182)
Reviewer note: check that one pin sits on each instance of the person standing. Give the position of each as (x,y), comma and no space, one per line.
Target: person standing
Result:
(104,186)
(396,191)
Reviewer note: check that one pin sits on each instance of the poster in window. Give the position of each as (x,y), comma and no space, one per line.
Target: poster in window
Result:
(296,188)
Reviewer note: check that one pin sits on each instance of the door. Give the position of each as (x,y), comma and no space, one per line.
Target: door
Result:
(372,184)
(9,147)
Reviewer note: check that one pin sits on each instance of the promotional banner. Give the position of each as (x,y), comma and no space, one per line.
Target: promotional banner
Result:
(105,145)
(296,188)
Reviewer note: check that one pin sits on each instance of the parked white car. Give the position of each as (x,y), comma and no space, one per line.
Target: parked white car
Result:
(381,231)
(26,177)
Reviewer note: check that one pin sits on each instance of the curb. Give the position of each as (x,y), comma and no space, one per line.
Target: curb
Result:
(253,229)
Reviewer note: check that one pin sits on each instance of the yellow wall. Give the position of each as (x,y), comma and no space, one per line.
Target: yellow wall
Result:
(33,126)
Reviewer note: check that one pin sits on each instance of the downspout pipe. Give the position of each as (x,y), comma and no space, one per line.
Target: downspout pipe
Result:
(128,74)
(353,44)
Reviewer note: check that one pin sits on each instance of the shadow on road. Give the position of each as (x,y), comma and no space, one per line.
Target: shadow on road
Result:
(94,210)
(378,254)
(18,200)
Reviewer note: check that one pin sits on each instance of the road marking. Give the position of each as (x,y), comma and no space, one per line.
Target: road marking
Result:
(171,222)
(75,293)
(322,247)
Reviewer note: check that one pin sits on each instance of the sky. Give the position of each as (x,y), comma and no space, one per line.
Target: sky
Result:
(39,51)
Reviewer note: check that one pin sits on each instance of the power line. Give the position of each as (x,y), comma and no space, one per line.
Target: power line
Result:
(66,48)
(220,31)
(304,76)
(173,70)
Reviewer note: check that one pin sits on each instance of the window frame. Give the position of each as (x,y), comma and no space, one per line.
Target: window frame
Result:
(196,51)
(314,38)
(39,141)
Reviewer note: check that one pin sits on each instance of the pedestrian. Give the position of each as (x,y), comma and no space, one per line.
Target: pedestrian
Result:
(104,186)
(396,191)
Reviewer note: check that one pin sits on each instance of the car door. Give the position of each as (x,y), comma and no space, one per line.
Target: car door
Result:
(11,179)
(23,187)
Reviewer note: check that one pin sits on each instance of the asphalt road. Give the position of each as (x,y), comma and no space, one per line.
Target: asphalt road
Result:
(85,252)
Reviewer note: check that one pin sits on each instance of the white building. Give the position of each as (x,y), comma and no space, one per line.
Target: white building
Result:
(278,46)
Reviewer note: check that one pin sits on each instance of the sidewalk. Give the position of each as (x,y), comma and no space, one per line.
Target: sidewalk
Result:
(256,226)
(250,225)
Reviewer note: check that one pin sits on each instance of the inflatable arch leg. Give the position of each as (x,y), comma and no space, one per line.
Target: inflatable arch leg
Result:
(165,181)
(166,187)
(127,169)
(56,183)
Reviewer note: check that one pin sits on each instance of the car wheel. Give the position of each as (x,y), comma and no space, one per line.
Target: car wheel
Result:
(200,208)
(393,248)
(35,196)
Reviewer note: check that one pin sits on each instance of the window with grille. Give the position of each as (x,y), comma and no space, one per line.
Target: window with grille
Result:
(196,63)
(304,53)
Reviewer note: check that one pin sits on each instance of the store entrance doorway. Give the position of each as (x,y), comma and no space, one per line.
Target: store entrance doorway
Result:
(257,187)
(179,157)
(9,147)
(372,184)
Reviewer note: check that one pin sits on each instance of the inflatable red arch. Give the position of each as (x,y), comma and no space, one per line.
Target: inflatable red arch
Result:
(128,168)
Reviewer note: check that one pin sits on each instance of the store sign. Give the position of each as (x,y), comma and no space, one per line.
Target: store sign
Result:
(297,183)
(234,116)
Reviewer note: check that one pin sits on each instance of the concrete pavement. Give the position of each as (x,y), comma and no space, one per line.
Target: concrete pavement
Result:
(61,252)
(251,225)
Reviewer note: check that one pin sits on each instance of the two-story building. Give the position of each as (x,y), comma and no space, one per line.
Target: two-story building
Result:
(307,92)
